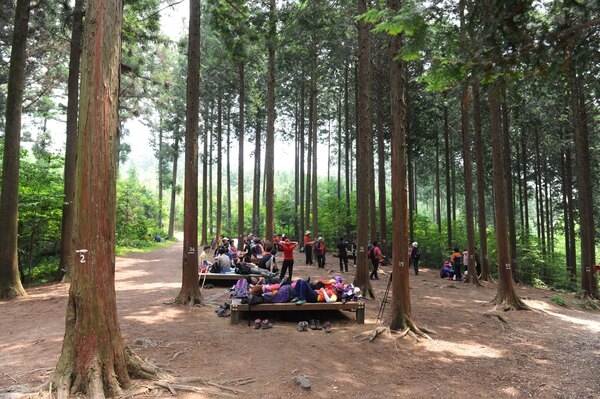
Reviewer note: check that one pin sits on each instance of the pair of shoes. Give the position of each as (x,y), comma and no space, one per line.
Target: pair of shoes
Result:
(313,324)
(266,324)
(327,327)
(221,312)
(295,299)
(318,325)
(300,301)
(302,326)
(257,323)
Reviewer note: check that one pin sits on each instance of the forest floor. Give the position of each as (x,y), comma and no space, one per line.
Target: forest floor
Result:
(548,352)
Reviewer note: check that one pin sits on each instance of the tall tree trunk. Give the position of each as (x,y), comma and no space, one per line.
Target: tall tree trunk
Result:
(241,153)
(66,238)
(401,308)
(174,185)
(510,198)
(219,141)
(506,296)
(190,291)
(256,222)
(270,144)
(314,135)
(228,172)
(161,172)
(381,164)
(468,171)
(568,209)
(363,138)
(301,170)
(10,283)
(467,162)
(448,181)
(438,194)
(205,238)
(347,142)
(309,161)
(94,360)
(581,134)
(481,185)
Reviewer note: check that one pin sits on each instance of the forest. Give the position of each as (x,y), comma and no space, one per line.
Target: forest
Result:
(464,124)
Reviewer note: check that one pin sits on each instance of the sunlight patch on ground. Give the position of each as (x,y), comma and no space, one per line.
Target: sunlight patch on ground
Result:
(593,325)
(453,350)
(130,286)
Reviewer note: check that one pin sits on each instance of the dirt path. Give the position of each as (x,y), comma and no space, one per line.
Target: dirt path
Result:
(552,352)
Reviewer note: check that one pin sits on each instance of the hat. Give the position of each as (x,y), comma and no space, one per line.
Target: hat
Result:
(307,232)
(320,239)
(337,279)
(415,244)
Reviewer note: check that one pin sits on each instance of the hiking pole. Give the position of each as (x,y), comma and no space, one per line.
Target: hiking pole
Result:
(384,300)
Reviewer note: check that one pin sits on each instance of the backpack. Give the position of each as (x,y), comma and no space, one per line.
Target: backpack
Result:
(240,290)
(216,267)
(243,268)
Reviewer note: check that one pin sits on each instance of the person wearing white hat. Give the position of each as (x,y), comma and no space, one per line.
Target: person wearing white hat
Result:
(308,247)
(415,254)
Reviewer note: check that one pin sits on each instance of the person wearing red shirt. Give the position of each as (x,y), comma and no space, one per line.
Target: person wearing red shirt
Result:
(288,257)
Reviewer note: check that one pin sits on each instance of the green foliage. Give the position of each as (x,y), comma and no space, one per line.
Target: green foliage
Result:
(136,212)
(44,270)
(40,209)
(559,301)
(588,305)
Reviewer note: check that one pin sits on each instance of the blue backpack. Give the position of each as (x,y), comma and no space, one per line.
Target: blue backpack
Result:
(240,290)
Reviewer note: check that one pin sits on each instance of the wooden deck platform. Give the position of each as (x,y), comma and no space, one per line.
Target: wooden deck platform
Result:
(237,307)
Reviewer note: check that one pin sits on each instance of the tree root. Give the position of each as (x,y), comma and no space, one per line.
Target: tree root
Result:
(503,323)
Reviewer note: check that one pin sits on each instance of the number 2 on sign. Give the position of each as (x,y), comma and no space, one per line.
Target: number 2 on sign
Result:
(81,253)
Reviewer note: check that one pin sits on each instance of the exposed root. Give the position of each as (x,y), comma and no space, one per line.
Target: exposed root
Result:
(503,323)
(376,332)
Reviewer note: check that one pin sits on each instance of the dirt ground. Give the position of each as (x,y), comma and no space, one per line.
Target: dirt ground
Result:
(549,352)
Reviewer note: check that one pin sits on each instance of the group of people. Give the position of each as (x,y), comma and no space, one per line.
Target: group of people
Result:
(453,268)
(303,291)
(252,258)
(316,248)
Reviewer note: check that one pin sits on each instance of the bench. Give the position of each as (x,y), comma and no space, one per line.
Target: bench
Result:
(237,307)
(225,276)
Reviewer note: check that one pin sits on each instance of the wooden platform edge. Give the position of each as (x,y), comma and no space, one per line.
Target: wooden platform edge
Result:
(237,307)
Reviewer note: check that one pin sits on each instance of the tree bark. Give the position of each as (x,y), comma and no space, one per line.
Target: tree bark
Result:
(66,241)
(363,137)
(481,185)
(506,296)
(10,283)
(94,360)
(241,154)
(270,142)
(190,291)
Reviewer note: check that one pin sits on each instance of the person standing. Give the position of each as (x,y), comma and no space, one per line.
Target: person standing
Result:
(456,260)
(319,250)
(308,243)
(375,255)
(342,248)
(415,254)
(288,257)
